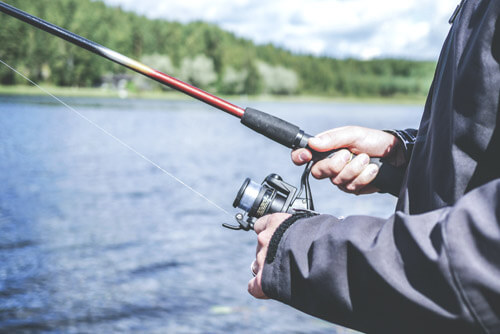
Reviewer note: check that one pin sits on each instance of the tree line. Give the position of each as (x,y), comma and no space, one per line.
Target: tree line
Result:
(200,53)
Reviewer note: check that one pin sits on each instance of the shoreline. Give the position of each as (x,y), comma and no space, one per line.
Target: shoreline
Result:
(173,95)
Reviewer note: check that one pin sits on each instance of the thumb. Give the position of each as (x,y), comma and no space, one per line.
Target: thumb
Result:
(343,137)
(320,144)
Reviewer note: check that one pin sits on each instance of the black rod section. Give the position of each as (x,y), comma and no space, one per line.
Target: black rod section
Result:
(50,28)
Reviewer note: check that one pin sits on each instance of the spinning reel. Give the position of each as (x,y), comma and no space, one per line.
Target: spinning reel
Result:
(271,196)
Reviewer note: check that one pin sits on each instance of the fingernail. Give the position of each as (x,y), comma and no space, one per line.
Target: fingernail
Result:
(373,169)
(365,159)
(303,157)
(346,156)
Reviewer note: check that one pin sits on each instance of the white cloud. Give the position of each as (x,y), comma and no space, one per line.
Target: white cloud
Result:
(340,28)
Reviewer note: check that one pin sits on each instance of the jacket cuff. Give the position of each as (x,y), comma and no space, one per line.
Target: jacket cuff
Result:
(407,138)
(278,234)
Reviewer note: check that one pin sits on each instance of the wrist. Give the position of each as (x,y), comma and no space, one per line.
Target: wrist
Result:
(398,153)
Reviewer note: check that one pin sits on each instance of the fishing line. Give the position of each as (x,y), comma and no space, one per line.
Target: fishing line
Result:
(118,140)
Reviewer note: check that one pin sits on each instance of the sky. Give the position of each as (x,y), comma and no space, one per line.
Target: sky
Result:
(364,29)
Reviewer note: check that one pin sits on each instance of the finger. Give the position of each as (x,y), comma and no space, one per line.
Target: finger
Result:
(364,179)
(369,189)
(331,167)
(255,287)
(352,170)
(260,259)
(301,156)
(254,267)
(263,239)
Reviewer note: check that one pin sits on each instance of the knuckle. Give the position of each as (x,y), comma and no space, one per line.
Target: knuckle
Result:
(368,174)
(260,225)
(355,189)
(276,219)
(352,187)
(336,166)
(342,188)
(345,176)
(359,163)
(364,179)
(250,286)
(262,238)
(363,159)
(273,218)
(342,183)
(373,170)
(345,153)
(330,167)
(337,181)
(316,172)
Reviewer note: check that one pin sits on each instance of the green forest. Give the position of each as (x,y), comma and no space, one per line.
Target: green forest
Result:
(199,53)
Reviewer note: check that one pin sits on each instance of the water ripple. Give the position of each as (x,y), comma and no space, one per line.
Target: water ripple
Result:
(18,245)
(156,267)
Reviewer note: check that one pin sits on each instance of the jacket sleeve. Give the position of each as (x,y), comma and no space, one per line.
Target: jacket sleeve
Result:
(406,274)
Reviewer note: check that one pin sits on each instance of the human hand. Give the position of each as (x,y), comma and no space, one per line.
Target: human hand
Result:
(265,228)
(352,175)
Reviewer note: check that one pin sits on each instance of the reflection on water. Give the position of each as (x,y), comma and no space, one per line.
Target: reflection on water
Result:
(94,239)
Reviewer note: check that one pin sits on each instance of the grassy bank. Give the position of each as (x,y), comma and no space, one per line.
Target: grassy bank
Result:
(108,93)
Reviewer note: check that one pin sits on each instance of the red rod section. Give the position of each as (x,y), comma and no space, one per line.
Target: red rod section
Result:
(198,93)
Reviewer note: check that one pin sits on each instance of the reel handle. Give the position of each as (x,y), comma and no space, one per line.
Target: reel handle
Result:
(389,178)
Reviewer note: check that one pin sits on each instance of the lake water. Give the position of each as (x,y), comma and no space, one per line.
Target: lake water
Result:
(93,239)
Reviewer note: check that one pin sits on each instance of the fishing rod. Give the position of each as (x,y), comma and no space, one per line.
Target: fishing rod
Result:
(270,126)
(277,129)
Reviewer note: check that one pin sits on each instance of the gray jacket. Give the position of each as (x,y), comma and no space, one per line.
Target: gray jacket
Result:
(434,266)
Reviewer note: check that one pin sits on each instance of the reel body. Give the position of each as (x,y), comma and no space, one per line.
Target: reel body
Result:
(271,196)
